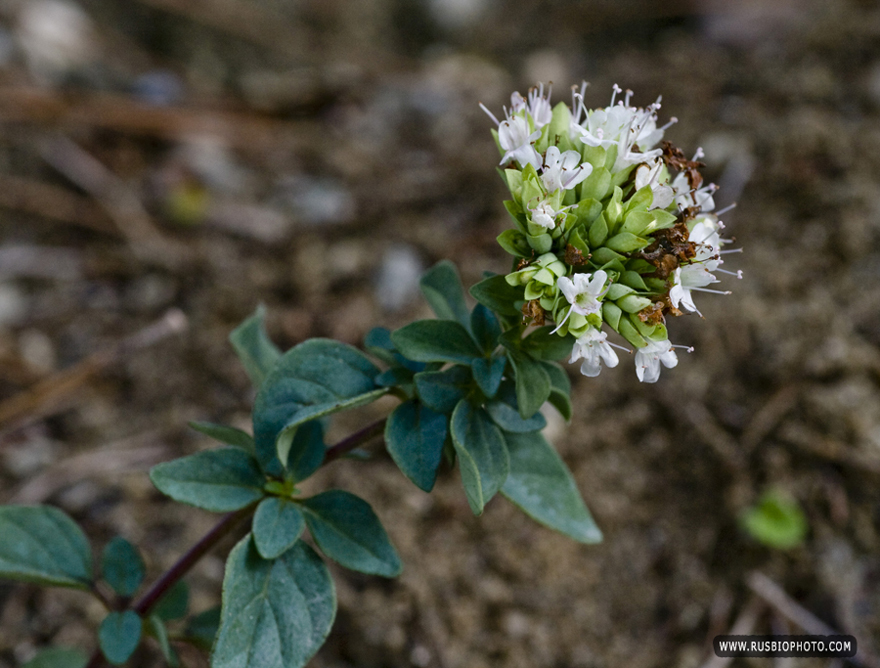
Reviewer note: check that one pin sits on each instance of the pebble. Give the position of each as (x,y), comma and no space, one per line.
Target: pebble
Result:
(398,280)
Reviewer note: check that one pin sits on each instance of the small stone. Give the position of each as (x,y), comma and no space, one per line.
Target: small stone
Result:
(398,279)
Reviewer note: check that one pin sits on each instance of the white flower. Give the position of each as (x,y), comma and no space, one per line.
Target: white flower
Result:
(687,278)
(515,139)
(545,214)
(584,291)
(593,347)
(649,358)
(563,170)
(686,197)
(648,174)
(537,105)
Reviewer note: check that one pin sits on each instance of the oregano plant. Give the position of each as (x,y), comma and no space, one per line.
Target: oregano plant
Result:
(604,235)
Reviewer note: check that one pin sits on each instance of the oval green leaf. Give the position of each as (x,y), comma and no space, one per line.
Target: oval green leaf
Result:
(482,454)
(218,480)
(277,525)
(436,341)
(254,348)
(41,544)
(442,289)
(122,566)
(543,487)
(532,383)
(347,530)
(316,378)
(119,635)
(414,437)
(58,657)
(276,614)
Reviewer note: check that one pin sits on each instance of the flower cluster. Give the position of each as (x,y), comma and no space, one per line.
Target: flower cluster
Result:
(613,225)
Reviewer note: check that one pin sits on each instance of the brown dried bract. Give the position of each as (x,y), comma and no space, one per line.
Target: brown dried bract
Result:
(522,264)
(574,257)
(674,157)
(652,314)
(534,312)
(669,248)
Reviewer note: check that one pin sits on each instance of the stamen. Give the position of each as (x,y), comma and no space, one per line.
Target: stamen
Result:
(738,273)
(699,154)
(672,121)
(717,292)
(491,115)
(690,349)
(725,210)
(619,347)
(730,250)
(614,91)
(629,95)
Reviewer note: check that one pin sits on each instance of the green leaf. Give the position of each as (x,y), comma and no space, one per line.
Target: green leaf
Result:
(777,521)
(482,454)
(58,657)
(532,383)
(276,614)
(306,451)
(378,342)
(174,602)
(442,390)
(316,378)
(542,344)
(543,487)
(414,437)
(122,566)
(503,411)
(394,377)
(43,545)
(218,480)
(436,341)
(495,294)
(157,626)
(119,635)
(488,373)
(226,434)
(515,243)
(625,242)
(277,525)
(485,327)
(347,530)
(254,348)
(560,389)
(442,288)
(201,629)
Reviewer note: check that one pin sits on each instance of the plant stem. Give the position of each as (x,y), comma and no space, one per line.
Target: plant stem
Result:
(346,445)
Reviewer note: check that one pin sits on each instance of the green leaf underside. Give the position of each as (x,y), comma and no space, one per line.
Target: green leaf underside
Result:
(119,635)
(174,603)
(442,390)
(347,530)
(777,521)
(58,657)
(482,454)
(414,437)
(122,566)
(532,383)
(443,291)
(277,525)
(543,487)
(436,341)
(276,614)
(254,348)
(219,480)
(41,544)
(201,629)
(316,378)
(226,434)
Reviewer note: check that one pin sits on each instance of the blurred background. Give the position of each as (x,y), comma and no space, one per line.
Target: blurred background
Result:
(167,165)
